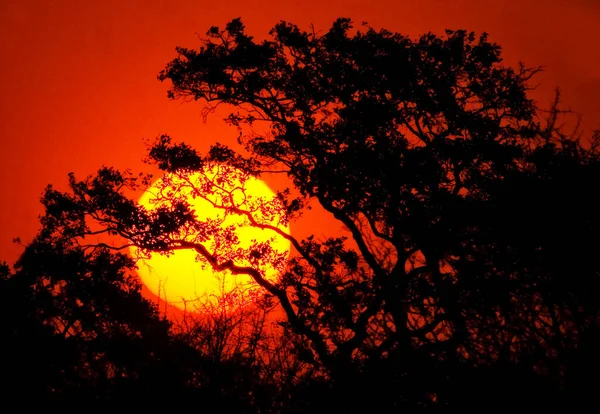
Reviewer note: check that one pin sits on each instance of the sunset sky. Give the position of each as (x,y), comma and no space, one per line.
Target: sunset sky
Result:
(80,90)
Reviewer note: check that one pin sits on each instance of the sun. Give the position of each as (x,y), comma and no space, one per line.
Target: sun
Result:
(224,200)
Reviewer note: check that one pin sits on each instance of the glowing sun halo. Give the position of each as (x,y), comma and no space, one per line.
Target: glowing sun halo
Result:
(179,278)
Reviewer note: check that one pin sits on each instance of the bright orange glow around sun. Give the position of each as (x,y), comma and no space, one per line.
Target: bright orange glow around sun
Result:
(182,278)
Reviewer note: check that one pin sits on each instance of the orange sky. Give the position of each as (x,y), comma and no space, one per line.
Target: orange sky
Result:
(79,86)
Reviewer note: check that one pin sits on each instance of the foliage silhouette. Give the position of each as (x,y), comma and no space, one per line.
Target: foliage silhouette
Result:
(432,149)
(77,330)
(468,278)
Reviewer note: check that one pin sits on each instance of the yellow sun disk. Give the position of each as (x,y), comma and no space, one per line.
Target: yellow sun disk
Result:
(183,281)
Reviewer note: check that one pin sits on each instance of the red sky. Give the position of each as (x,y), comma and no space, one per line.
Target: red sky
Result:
(79,86)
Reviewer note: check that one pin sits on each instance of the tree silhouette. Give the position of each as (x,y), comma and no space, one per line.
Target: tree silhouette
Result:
(430,151)
(468,278)
(75,329)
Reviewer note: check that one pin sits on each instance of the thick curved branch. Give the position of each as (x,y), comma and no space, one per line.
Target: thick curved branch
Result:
(280,294)
(339,301)
(356,235)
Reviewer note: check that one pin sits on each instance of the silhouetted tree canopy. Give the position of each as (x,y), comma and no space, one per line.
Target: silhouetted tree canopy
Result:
(468,279)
